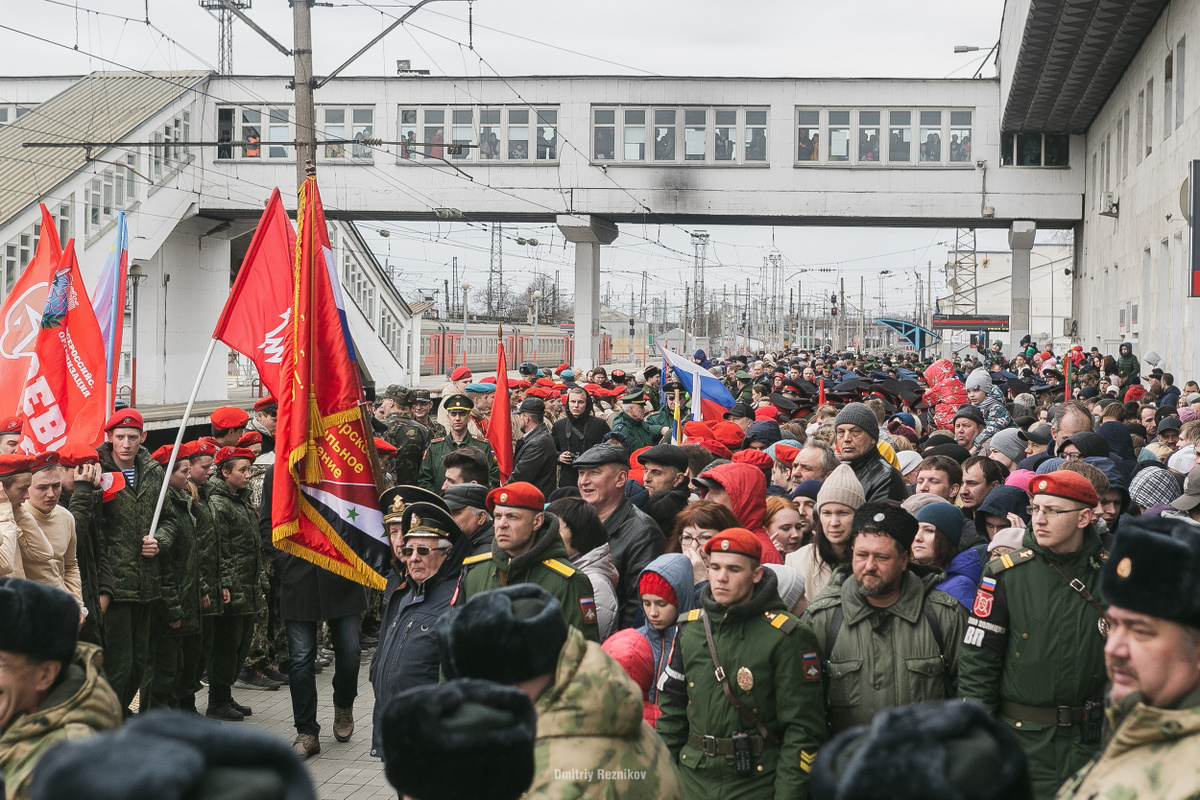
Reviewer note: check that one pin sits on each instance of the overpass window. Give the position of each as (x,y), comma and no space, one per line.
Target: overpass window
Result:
(808,147)
(931,136)
(1035,150)
(1168,93)
(839,135)
(278,131)
(518,134)
(462,132)
(1179,73)
(489,134)
(1057,150)
(635,134)
(251,135)
(726,138)
(408,131)
(363,120)
(547,134)
(756,135)
(604,134)
(435,132)
(1029,149)
(664,134)
(900,137)
(1007,148)
(224,132)
(868,136)
(960,137)
(335,132)
(695,134)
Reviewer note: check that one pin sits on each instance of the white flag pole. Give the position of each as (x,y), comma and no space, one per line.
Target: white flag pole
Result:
(187,412)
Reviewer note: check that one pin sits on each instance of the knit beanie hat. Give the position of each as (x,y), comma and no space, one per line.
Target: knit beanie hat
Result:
(968,411)
(1009,442)
(946,517)
(653,583)
(791,584)
(979,379)
(1006,537)
(842,486)
(859,414)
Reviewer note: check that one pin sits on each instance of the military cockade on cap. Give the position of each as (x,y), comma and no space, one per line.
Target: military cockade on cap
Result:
(393,501)
(1067,485)
(428,521)
(124,418)
(517,495)
(735,540)
(1154,569)
(458,402)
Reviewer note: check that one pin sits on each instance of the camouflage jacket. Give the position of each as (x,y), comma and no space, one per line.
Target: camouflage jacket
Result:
(82,704)
(179,568)
(591,740)
(127,519)
(1152,753)
(241,567)
(436,429)
(208,554)
(410,438)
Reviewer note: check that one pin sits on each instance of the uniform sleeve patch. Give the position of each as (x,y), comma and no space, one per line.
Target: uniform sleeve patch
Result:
(588,606)
(983,604)
(806,760)
(812,665)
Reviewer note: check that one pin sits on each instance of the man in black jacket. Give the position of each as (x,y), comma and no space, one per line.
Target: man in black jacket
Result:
(666,480)
(534,454)
(308,595)
(857,437)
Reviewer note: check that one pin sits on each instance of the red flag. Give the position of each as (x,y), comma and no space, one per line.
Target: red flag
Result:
(325,504)
(255,319)
(499,430)
(821,394)
(63,399)
(22,315)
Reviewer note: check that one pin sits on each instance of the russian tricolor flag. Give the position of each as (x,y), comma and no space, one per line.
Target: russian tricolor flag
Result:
(714,398)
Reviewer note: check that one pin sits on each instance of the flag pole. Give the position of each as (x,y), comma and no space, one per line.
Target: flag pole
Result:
(187,412)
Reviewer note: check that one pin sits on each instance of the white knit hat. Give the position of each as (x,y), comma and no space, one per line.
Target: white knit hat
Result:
(842,486)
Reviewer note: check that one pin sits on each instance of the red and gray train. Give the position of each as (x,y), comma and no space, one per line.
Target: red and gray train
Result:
(441,346)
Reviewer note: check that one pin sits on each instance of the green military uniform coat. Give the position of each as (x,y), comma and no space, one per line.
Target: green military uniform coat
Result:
(544,563)
(771,662)
(433,472)
(1034,640)
(886,657)
(665,417)
(180,569)
(410,438)
(639,434)
(127,516)
(208,553)
(241,563)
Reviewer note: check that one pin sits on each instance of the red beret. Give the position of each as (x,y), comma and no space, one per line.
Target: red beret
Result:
(263,403)
(163,454)
(125,418)
(490,379)
(735,540)
(228,453)
(44,461)
(549,384)
(768,413)
(1065,484)
(187,450)
(786,453)
(74,454)
(11,425)
(541,391)
(516,495)
(519,385)
(14,463)
(755,458)
(227,417)
(697,430)
(384,448)
(248,438)
(728,433)
(560,368)
(460,373)
(713,446)
(205,446)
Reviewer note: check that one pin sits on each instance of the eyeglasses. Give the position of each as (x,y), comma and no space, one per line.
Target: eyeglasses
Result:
(1073,456)
(697,540)
(422,550)
(1051,513)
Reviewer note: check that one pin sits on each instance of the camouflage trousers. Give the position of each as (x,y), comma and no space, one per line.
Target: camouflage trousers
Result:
(270,637)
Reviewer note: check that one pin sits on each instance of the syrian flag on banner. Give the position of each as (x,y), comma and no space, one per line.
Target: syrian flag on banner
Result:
(256,315)
(325,503)
(714,398)
(22,315)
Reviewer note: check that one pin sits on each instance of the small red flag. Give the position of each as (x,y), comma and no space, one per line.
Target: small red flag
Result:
(63,399)
(255,319)
(499,431)
(22,315)
(821,393)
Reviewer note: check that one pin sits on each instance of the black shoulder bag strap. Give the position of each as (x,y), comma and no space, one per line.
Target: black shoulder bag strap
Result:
(835,627)
(1078,586)
(719,671)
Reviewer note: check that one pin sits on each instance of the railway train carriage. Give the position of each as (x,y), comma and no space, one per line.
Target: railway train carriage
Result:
(442,346)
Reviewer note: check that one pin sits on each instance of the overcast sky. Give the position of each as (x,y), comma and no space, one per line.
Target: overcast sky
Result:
(864,38)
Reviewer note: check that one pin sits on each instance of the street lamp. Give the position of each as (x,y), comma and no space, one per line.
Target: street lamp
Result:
(537,307)
(136,276)
(465,287)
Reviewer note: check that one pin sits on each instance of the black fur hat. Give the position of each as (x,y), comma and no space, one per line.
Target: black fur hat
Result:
(37,620)
(886,517)
(1154,568)
(944,750)
(463,740)
(505,635)
(172,755)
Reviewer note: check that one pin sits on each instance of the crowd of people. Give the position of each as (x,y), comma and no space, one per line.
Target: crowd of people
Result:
(791,599)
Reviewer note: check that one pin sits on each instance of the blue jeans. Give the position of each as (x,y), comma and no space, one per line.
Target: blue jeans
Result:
(302,646)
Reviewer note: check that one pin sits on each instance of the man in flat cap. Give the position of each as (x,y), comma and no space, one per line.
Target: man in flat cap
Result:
(427,551)
(742,707)
(665,478)
(535,458)
(409,437)
(432,475)
(1151,582)
(468,505)
(528,549)
(1033,650)
(51,687)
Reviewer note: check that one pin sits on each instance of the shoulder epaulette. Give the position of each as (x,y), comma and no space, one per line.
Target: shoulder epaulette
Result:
(693,615)
(1009,560)
(781,621)
(439,439)
(476,559)
(562,569)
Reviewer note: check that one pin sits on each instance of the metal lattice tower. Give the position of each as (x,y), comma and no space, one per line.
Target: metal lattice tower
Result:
(961,274)
(225,36)
(495,286)
(700,241)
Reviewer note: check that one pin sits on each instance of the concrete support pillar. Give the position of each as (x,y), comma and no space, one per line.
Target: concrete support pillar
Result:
(1020,239)
(587,233)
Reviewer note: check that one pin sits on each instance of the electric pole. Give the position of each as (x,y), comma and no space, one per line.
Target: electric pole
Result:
(306,115)
(842,323)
